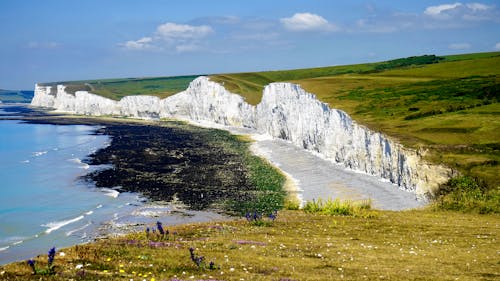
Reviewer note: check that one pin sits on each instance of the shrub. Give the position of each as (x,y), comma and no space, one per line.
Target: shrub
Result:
(468,194)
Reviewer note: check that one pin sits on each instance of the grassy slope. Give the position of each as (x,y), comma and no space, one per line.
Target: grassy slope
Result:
(411,245)
(450,108)
(118,88)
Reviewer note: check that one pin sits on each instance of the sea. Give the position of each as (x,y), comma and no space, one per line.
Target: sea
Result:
(45,201)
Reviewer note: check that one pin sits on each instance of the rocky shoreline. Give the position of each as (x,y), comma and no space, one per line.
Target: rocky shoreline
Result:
(162,160)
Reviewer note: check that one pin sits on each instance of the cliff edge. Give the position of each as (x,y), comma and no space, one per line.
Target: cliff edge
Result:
(286,112)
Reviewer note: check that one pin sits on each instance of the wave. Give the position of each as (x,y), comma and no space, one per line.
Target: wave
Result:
(69,233)
(25,161)
(39,153)
(79,162)
(111,192)
(58,224)
(4,248)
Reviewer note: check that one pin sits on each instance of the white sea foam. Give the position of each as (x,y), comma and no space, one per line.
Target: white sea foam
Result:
(39,153)
(69,233)
(58,224)
(17,242)
(4,248)
(75,160)
(79,161)
(111,192)
(25,161)
(89,213)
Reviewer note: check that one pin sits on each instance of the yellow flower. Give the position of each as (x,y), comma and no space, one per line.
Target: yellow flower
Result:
(108,259)
(121,265)
(105,271)
(122,271)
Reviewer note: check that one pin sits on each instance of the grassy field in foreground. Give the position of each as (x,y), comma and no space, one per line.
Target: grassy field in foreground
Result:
(410,245)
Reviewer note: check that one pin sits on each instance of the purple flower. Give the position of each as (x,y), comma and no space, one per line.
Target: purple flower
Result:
(31,263)
(160,228)
(272,216)
(211,266)
(52,255)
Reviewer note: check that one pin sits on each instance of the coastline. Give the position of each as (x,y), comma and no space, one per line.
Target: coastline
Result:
(140,212)
(298,179)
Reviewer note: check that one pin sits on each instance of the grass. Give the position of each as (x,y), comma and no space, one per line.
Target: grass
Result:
(267,181)
(338,207)
(445,106)
(410,245)
(118,88)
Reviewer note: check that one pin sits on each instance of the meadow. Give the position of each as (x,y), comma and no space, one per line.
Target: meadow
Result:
(297,245)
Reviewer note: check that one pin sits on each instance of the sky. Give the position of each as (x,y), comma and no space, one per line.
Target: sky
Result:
(61,40)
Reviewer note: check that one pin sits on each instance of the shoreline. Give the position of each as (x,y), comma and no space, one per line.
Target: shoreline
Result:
(295,183)
(133,217)
(297,178)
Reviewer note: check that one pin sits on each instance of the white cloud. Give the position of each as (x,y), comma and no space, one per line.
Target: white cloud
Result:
(174,31)
(468,11)
(459,46)
(440,10)
(307,22)
(141,44)
(478,7)
(497,46)
(172,36)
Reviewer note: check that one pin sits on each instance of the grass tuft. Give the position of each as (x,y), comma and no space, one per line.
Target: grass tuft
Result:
(340,208)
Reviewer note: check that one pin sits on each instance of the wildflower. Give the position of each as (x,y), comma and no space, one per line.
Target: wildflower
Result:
(211,266)
(273,215)
(160,228)
(147,231)
(52,254)
(31,263)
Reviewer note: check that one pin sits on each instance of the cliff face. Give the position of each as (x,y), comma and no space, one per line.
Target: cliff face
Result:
(286,111)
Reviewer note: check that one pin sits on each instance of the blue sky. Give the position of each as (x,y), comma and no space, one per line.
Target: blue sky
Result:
(58,40)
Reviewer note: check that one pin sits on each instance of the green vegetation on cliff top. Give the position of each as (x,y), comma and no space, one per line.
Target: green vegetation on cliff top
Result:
(447,106)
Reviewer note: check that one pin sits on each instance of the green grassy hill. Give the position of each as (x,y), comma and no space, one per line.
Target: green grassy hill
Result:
(447,105)
(118,88)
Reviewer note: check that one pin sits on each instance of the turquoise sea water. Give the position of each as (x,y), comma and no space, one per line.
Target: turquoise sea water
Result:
(43,201)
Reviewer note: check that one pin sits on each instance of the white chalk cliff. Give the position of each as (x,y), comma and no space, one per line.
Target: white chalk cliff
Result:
(286,112)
